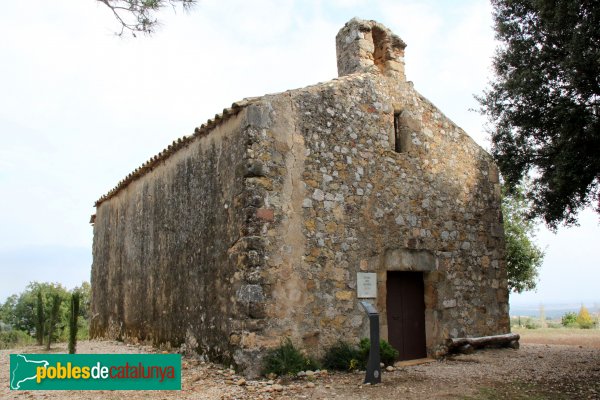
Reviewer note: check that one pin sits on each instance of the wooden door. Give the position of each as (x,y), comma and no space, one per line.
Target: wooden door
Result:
(406,313)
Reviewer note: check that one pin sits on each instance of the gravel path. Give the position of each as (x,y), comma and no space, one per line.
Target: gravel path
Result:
(536,371)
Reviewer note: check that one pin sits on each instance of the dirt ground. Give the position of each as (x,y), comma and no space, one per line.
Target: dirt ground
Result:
(545,367)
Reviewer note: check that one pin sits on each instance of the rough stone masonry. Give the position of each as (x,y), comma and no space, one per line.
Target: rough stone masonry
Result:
(254,227)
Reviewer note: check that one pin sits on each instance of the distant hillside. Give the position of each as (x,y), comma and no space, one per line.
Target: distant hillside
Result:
(552,311)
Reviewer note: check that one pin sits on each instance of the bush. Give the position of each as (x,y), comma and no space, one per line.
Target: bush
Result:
(342,357)
(569,320)
(287,360)
(554,325)
(387,353)
(584,319)
(531,324)
(345,357)
(13,338)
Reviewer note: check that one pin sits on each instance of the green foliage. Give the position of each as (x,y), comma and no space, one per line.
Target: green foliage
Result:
(354,364)
(83,322)
(21,311)
(85,295)
(287,360)
(569,320)
(6,309)
(13,338)
(554,325)
(544,103)
(345,357)
(526,322)
(40,318)
(387,353)
(523,257)
(531,324)
(54,316)
(342,357)
(25,312)
(73,318)
(139,15)
(584,319)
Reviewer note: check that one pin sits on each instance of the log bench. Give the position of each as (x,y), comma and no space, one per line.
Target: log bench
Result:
(469,344)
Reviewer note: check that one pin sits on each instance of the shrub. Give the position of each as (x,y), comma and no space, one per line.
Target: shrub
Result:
(584,319)
(387,353)
(569,319)
(554,325)
(13,338)
(287,360)
(345,357)
(531,324)
(342,357)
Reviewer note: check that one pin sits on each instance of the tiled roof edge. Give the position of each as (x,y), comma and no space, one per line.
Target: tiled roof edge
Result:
(204,130)
(184,141)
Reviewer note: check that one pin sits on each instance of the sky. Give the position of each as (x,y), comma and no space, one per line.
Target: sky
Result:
(80,108)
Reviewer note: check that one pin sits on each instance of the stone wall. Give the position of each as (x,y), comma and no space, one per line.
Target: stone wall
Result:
(163,270)
(343,201)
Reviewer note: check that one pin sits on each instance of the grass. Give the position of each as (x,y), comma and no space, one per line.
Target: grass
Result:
(559,331)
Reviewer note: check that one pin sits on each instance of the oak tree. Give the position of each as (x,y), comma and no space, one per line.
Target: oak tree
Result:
(523,256)
(544,103)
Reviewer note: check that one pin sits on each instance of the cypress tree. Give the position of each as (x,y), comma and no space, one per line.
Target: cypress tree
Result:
(74,314)
(53,317)
(39,323)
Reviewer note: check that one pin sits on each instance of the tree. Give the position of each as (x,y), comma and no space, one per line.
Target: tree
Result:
(22,311)
(54,317)
(569,319)
(139,15)
(73,317)
(523,257)
(6,310)
(85,293)
(40,318)
(584,319)
(544,103)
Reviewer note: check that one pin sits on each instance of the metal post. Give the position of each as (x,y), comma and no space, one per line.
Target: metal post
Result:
(373,374)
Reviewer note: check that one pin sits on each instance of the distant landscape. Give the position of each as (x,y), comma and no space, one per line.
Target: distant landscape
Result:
(552,310)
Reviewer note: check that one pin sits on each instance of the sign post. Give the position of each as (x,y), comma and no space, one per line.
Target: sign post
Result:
(373,374)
